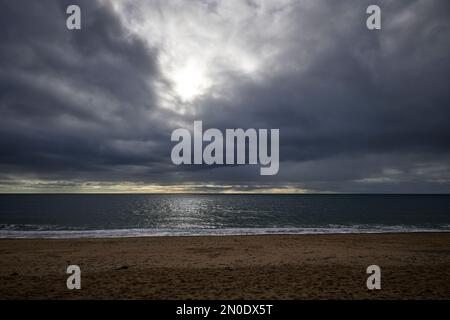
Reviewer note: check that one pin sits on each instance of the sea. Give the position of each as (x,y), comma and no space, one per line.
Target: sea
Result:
(136,215)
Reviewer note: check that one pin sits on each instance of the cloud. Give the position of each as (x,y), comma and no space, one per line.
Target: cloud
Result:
(75,103)
(358,110)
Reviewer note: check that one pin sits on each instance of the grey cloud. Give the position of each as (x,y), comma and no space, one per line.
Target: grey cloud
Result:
(362,93)
(72,101)
(358,110)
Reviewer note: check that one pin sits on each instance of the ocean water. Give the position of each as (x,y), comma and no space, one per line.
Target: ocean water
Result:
(76,215)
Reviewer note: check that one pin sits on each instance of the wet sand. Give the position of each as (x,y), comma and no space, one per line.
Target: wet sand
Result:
(413,266)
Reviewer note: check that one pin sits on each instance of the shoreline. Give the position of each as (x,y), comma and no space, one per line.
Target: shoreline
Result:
(307,266)
(139,237)
(153,233)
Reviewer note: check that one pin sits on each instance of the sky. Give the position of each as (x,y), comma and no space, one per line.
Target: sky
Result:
(92,110)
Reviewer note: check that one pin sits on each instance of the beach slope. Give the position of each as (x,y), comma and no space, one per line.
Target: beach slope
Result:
(413,266)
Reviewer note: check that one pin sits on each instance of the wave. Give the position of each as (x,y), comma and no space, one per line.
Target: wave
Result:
(40,232)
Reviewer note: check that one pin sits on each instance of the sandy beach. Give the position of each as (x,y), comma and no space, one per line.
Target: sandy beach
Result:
(414,266)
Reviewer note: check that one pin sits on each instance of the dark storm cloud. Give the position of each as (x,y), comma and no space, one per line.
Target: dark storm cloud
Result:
(366,101)
(75,103)
(358,110)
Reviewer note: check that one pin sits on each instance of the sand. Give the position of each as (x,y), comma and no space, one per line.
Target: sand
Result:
(413,266)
